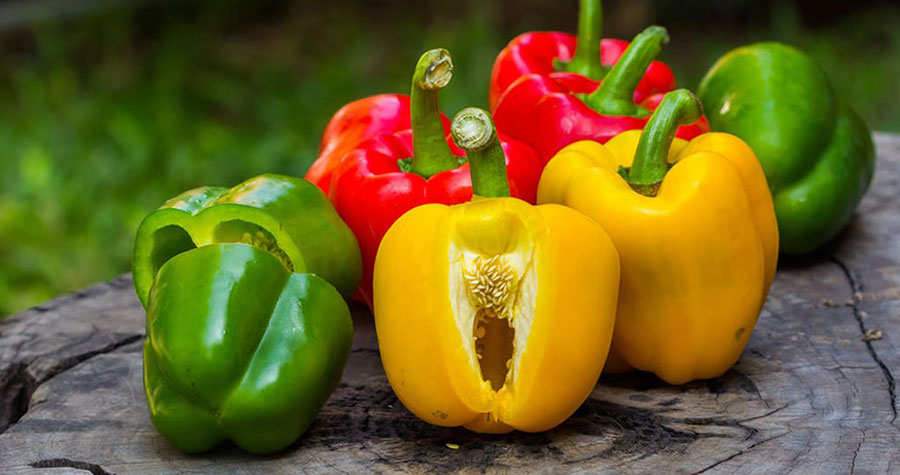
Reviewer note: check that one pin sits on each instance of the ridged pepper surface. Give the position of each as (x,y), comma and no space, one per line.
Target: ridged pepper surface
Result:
(287,216)
(239,347)
(577,63)
(494,314)
(695,229)
(548,114)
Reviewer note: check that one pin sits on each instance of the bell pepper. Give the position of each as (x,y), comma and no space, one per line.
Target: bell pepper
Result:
(576,63)
(354,123)
(287,216)
(391,174)
(548,115)
(816,151)
(698,242)
(239,347)
(494,314)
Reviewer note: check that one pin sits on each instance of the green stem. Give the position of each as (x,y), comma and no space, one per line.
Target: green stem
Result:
(615,96)
(473,130)
(431,154)
(679,107)
(586,60)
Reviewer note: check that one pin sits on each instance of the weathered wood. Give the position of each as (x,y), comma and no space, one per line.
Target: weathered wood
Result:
(809,395)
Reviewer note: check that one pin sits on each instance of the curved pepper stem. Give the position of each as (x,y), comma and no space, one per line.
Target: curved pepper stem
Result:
(473,130)
(586,60)
(431,154)
(679,107)
(615,96)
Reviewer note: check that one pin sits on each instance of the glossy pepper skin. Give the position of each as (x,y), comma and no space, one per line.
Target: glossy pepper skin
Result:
(379,181)
(548,114)
(286,216)
(238,347)
(698,243)
(547,53)
(494,314)
(355,123)
(816,151)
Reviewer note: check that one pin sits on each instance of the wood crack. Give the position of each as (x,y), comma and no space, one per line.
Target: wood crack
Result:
(69,463)
(16,387)
(738,454)
(763,416)
(73,361)
(855,289)
(855,454)
(17,383)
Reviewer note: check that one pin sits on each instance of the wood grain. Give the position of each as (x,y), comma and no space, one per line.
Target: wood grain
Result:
(810,394)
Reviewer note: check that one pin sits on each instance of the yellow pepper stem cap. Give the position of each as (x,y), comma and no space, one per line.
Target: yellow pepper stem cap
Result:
(679,107)
(474,131)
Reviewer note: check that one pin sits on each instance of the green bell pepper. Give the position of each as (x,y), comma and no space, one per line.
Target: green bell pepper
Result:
(816,151)
(289,217)
(239,347)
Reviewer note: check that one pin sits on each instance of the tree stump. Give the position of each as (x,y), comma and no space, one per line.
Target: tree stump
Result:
(813,392)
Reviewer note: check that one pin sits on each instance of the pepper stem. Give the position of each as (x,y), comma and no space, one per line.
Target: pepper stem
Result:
(586,60)
(679,107)
(473,130)
(615,96)
(431,154)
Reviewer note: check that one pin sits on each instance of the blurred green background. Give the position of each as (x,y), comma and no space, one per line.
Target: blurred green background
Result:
(107,108)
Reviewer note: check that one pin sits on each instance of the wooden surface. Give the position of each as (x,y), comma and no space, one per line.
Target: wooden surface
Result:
(809,395)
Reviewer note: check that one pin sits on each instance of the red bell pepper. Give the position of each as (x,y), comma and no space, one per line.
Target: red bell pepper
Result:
(390,174)
(548,114)
(572,61)
(355,122)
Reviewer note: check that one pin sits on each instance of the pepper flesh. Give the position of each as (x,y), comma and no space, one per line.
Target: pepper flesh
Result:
(286,216)
(494,314)
(697,258)
(817,153)
(238,347)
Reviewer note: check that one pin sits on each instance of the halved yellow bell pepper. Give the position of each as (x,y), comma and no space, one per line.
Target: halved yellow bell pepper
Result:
(494,314)
(698,241)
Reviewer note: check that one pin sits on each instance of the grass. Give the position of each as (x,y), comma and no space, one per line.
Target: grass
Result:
(103,117)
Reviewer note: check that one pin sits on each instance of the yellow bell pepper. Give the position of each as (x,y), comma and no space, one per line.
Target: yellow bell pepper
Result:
(494,314)
(698,241)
